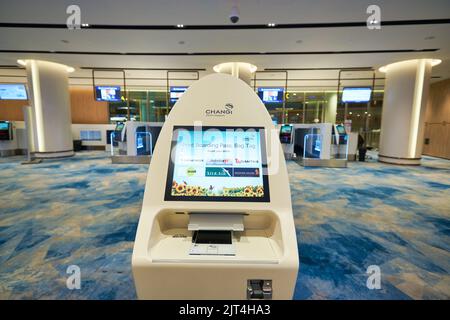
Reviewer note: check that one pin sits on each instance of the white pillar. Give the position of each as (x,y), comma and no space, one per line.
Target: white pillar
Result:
(331,107)
(241,70)
(405,97)
(49,94)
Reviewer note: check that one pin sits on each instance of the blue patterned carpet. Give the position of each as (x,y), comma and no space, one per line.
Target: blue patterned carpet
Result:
(84,211)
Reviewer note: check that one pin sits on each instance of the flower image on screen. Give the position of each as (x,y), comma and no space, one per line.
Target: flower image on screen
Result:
(217,163)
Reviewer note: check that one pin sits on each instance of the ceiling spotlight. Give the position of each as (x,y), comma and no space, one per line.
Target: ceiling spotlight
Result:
(85,25)
(271,24)
(350,112)
(180,26)
(22,62)
(70,69)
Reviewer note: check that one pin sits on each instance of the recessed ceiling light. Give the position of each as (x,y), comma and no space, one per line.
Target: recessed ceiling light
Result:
(271,24)
(299,41)
(85,25)
(22,62)
(181,42)
(70,69)
(180,26)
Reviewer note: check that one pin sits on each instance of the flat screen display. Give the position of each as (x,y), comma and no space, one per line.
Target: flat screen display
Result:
(351,94)
(340,129)
(103,93)
(176,93)
(4,125)
(13,92)
(217,164)
(119,127)
(271,95)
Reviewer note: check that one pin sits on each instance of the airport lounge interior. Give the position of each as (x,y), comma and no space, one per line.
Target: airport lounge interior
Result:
(225,150)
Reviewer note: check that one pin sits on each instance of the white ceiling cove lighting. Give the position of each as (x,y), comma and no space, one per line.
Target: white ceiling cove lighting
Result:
(434,62)
(252,68)
(24,63)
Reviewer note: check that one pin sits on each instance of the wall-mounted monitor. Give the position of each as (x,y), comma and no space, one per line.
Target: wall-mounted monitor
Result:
(9,91)
(217,164)
(176,93)
(107,93)
(271,95)
(353,94)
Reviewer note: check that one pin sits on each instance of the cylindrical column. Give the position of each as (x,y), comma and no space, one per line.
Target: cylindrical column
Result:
(405,97)
(241,70)
(49,93)
(331,107)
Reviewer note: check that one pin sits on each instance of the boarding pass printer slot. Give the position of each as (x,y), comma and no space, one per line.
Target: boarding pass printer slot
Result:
(213,233)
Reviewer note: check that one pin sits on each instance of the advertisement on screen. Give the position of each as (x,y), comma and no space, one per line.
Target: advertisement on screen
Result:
(13,92)
(356,95)
(271,95)
(217,164)
(107,93)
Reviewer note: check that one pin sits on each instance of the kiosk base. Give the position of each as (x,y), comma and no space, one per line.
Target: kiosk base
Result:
(329,163)
(131,159)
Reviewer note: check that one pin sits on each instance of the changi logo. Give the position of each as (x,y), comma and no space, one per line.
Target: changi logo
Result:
(227,110)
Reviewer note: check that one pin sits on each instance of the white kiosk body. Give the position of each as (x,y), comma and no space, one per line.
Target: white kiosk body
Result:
(217,222)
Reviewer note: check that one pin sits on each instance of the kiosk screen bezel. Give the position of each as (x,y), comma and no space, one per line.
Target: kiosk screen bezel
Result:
(168,189)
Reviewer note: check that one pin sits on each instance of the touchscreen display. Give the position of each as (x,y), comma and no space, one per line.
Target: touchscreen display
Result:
(217,164)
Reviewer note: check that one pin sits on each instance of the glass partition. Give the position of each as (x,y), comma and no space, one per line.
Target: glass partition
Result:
(312,146)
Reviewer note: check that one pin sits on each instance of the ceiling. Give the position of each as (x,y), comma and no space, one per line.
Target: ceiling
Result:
(267,48)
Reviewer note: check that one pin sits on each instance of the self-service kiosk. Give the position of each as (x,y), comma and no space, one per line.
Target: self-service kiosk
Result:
(216,219)
(340,142)
(135,141)
(6,132)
